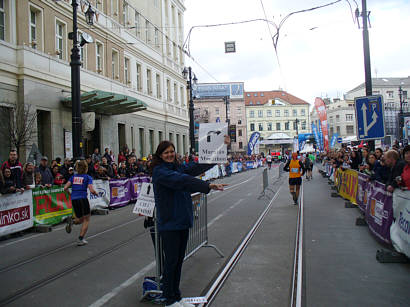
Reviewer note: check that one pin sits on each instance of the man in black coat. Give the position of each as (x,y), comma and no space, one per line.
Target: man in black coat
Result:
(392,160)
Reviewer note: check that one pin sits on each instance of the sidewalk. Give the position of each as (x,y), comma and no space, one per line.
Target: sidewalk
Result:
(340,258)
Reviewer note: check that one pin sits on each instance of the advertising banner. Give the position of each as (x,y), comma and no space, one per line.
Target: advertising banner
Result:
(333,140)
(400,228)
(16,212)
(120,192)
(212,147)
(145,204)
(102,200)
(51,205)
(321,111)
(320,137)
(135,187)
(316,134)
(362,191)
(252,142)
(347,184)
(379,211)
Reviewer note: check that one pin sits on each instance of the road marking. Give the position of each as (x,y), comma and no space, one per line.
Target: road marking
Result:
(223,213)
(229,189)
(104,299)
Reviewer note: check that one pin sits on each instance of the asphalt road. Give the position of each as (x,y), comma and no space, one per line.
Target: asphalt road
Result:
(50,270)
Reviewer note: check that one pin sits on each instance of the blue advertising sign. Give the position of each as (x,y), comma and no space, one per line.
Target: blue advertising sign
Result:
(302,137)
(320,136)
(339,139)
(369,117)
(233,90)
(316,134)
(333,140)
(252,141)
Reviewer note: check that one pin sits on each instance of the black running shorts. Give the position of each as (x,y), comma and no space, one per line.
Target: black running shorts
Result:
(295,181)
(81,207)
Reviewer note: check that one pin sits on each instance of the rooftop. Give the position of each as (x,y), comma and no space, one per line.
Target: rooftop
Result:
(385,82)
(262,97)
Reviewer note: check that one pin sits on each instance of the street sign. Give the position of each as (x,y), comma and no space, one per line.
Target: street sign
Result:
(369,117)
(339,139)
(212,147)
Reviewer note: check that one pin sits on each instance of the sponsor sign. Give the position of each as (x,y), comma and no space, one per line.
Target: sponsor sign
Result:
(400,228)
(212,148)
(321,111)
(16,212)
(120,192)
(145,204)
(102,200)
(51,205)
(219,90)
(253,140)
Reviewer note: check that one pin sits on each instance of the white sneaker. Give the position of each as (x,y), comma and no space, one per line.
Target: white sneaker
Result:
(176,304)
(185,304)
(82,242)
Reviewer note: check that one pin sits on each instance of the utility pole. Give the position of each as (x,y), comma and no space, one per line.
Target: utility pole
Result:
(366,51)
(401,119)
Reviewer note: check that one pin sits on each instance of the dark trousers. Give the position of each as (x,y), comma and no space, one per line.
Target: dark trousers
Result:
(174,245)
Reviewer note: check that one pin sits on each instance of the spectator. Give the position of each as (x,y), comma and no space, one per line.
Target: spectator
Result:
(107,156)
(8,184)
(53,163)
(55,171)
(101,174)
(64,169)
(364,165)
(58,160)
(378,152)
(46,175)
(115,170)
(112,156)
(96,156)
(28,176)
(131,166)
(15,167)
(405,176)
(122,171)
(355,160)
(37,178)
(396,169)
(121,157)
(91,170)
(59,179)
(107,166)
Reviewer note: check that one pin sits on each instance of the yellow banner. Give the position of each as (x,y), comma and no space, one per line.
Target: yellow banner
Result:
(347,182)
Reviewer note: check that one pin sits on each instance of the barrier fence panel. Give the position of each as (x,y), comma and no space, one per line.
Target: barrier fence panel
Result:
(400,228)
(16,212)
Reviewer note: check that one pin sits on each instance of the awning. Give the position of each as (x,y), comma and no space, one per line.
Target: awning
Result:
(107,103)
(274,142)
(279,136)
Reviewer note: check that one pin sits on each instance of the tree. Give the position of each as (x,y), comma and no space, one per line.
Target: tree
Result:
(17,124)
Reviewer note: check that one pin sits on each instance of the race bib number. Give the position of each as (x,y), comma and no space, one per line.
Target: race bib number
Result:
(295,170)
(78,180)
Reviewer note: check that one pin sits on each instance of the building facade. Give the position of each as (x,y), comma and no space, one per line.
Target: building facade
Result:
(341,117)
(211,107)
(136,53)
(389,89)
(269,112)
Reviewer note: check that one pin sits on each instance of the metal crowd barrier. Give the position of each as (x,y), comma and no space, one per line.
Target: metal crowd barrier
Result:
(198,237)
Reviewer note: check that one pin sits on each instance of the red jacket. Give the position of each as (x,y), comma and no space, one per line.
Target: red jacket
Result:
(405,176)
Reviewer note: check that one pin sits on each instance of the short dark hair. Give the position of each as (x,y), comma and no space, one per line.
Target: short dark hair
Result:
(406,149)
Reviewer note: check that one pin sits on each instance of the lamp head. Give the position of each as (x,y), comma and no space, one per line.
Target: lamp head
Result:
(195,79)
(185,73)
(86,39)
(89,15)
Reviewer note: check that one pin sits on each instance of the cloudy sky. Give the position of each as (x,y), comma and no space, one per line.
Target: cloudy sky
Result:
(320,52)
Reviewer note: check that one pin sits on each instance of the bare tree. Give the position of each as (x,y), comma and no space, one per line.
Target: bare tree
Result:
(18,124)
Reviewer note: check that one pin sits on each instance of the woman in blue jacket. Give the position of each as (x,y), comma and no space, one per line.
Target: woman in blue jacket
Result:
(173,185)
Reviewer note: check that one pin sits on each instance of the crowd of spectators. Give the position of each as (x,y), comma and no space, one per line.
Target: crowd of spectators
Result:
(389,166)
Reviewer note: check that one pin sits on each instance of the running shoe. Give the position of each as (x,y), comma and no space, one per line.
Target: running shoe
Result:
(82,242)
(69,225)
(185,304)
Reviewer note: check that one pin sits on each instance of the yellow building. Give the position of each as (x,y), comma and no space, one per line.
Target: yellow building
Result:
(273,112)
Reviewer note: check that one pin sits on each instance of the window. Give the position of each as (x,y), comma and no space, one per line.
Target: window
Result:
(286,113)
(156,38)
(303,112)
(2,21)
(60,40)
(182,90)
(99,5)
(127,71)
(160,136)
(114,64)
(390,94)
(240,145)
(376,92)
(295,112)
(158,85)
(137,24)
(260,126)
(349,117)
(239,132)
(141,141)
(287,126)
(349,130)
(252,114)
(147,32)
(33,28)
(258,102)
(269,127)
(303,124)
(139,77)
(278,126)
(255,95)
(277,113)
(248,95)
(405,95)
(114,7)
(262,94)
(337,118)
(331,131)
(239,121)
(175,93)
(174,50)
(168,90)
(252,127)
(216,111)
(125,13)
(151,141)
(99,55)
(260,113)
(331,119)
(149,82)
(269,113)
(295,125)
(338,130)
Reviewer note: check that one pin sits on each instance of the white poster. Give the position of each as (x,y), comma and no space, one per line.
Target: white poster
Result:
(102,200)
(212,148)
(400,228)
(68,146)
(16,212)
(145,204)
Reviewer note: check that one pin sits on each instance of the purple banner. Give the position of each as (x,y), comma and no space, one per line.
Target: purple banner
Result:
(362,191)
(379,211)
(135,186)
(119,192)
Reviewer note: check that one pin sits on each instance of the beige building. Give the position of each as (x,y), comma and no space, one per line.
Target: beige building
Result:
(271,112)
(211,108)
(136,55)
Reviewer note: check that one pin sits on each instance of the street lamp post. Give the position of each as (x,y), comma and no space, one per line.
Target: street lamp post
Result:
(75,64)
(401,122)
(187,73)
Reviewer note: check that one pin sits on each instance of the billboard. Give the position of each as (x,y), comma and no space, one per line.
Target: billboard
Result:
(217,90)
(321,111)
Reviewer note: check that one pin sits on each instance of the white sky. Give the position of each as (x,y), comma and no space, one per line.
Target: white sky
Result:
(324,62)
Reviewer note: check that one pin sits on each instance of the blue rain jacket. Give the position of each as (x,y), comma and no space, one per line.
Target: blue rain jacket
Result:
(173,185)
